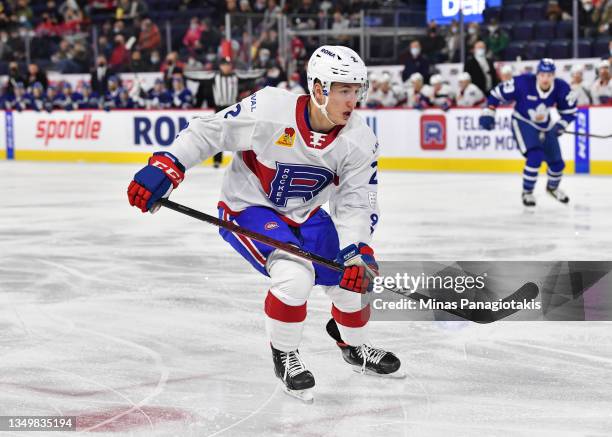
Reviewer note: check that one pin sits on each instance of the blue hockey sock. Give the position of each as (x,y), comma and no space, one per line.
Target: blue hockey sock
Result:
(532,166)
(555,173)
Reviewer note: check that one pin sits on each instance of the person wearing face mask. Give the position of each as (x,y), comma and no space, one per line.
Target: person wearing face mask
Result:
(433,43)
(99,76)
(473,35)
(481,68)
(14,77)
(497,41)
(416,62)
(452,46)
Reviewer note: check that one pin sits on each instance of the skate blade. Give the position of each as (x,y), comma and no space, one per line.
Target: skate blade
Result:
(305,396)
(399,374)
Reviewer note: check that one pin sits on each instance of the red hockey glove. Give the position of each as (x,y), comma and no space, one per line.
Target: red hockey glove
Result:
(360,268)
(156,180)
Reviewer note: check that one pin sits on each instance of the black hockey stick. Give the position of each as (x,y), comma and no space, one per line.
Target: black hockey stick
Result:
(527,292)
(584,134)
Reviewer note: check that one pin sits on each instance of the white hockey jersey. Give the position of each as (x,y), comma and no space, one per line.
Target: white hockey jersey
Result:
(470,96)
(601,92)
(280,163)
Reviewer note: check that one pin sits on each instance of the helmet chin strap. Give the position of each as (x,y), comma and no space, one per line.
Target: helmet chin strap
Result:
(323,107)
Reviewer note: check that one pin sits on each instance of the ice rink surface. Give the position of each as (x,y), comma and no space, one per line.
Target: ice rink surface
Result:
(150,325)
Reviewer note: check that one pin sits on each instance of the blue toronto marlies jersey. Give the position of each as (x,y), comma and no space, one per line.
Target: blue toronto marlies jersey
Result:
(532,105)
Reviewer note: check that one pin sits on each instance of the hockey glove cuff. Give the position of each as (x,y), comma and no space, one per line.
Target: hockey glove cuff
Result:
(155,181)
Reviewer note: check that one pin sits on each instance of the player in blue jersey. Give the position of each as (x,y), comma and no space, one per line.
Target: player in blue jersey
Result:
(181,96)
(535,132)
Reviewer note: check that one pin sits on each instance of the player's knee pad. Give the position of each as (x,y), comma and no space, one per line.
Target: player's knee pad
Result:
(345,300)
(557,166)
(535,157)
(292,277)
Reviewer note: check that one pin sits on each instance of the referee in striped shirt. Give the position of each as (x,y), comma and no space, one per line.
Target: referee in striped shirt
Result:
(221,89)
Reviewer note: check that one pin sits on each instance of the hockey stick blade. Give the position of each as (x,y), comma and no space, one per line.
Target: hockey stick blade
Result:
(585,134)
(527,291)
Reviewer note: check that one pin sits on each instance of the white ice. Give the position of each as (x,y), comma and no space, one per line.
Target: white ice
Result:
(150,325)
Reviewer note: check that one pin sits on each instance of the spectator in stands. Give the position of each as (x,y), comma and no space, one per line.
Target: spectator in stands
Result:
(416,62)
(271,15)
(601,89)
(149,38)
(340,23)
(131,9)
(293,84)
(209,40)
(496,41)
(554,12)
(245,7)
(481,68)
(440,94)
(155,61)
(73,18)
(433,44)
(602,17)
(99,76)
(583,96)
(63,58)
(473,36)
(138,63)
(468,94)
(193,34)
(506,73)
(269,40)
(5,48)
(17,42)
(259,6)
(120,57)
(47,26)
(171,67)
(119,29)
(104,46)
(182,98)
(231,6)
(23,12)
(452,47)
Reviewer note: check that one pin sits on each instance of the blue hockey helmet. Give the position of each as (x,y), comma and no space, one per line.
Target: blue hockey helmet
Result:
(546,65)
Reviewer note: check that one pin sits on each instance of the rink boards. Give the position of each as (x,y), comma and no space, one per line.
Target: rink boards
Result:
(429,140)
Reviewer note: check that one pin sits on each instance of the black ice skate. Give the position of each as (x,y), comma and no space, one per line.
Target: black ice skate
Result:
(528,198)
(558,194)
(291,370)
(367,359)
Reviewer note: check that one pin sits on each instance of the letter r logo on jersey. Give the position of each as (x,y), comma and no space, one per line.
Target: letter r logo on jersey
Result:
(298,181)
(433,132)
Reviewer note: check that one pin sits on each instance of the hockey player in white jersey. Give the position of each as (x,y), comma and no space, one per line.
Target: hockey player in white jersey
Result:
(292,154)
(468,94)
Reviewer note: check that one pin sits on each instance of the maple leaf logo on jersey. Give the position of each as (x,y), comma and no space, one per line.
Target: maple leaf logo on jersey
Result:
(287,138)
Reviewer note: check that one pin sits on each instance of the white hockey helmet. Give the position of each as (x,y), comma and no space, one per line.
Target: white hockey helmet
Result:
(329,64)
